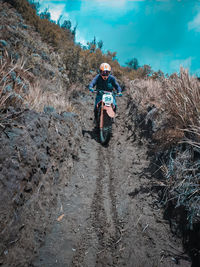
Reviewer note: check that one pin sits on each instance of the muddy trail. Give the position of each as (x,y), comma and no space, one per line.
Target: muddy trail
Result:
(107,213)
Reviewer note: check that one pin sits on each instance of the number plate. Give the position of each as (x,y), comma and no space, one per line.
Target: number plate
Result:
(107,99)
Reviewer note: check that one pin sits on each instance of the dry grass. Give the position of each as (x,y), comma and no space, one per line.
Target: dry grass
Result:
(181,103)
(38,99)
(19,88)
(176,101)
(182,98)
(14,81)
(147,92)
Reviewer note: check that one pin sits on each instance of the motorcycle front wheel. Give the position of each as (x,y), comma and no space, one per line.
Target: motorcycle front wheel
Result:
(106,131)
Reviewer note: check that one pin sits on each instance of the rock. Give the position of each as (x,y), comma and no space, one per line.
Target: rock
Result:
(49,109)
(15,132)
(56,116)
(68,115)
(3,43)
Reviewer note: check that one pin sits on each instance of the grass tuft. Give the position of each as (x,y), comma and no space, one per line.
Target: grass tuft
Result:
(20,89)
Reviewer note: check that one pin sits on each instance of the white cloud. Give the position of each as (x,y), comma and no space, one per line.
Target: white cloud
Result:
(195,23)
(55,13)
(80,38)
(55,9)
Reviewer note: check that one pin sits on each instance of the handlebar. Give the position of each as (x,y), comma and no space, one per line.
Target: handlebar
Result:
(104,92)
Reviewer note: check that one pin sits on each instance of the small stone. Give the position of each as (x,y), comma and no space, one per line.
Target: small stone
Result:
(49,109)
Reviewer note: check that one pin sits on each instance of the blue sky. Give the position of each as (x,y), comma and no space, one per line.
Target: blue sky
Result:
(164,34)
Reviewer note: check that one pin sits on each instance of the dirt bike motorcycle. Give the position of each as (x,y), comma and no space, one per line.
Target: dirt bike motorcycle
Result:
(105,115)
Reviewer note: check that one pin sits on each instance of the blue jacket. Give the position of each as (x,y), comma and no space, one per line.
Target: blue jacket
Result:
(105,85)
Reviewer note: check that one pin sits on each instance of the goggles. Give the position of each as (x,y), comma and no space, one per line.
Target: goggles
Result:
(105,72)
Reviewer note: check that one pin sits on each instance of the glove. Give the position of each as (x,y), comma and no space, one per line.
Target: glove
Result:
(119,94)
(91,90)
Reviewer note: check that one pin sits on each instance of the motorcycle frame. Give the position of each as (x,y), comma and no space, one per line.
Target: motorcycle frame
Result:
(103,107)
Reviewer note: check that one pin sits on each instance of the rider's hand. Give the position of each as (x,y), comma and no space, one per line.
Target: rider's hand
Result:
(119,94)
(91,90)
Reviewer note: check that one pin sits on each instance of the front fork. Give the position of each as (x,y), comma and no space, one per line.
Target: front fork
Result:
(101,116)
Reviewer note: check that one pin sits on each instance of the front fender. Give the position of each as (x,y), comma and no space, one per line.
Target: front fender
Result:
(109,111)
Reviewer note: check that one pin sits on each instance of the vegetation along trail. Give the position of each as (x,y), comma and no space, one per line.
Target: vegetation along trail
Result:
(106,214)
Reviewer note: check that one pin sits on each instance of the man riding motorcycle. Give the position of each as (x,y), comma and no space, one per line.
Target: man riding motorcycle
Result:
(104,81)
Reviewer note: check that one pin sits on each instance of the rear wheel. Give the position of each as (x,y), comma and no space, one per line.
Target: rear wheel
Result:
(106,131)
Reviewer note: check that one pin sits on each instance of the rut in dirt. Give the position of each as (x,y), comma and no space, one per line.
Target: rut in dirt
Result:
(103,211)
(107,211)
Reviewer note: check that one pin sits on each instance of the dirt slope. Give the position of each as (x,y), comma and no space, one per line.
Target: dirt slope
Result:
(106,214)
(37,151)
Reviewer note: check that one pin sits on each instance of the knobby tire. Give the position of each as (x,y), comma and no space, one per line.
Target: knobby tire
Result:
(106,131)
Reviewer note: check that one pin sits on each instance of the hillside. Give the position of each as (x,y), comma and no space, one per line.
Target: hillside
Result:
(66,200)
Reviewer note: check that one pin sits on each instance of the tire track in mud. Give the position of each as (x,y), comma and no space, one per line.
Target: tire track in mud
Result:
(103,221)
(104,212)
(98,221)
(98,213)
